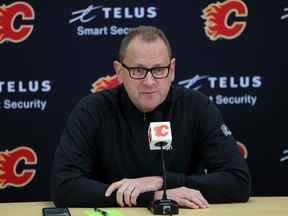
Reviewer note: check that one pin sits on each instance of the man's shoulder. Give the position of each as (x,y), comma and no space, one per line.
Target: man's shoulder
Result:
(101,100)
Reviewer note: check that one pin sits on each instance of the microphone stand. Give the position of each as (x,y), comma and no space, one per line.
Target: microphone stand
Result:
(164,206)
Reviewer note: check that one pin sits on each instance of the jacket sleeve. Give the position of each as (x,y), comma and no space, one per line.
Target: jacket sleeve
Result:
(226,177)
(73,182)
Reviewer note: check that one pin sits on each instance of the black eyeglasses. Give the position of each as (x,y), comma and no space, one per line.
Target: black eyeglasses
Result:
(141,72)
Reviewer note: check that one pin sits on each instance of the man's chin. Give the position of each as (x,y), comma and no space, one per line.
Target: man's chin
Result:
(148,104)
(146,110)
(150,107)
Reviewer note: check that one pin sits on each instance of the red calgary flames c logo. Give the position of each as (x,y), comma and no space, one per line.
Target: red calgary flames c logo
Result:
(216,16)
(8,165)
(161,130)
(243,149)
(103,83)
(8,14)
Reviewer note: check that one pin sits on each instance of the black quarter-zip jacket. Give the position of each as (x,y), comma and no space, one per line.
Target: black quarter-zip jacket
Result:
(105,140)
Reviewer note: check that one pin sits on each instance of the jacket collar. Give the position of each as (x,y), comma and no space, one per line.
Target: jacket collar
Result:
(132,111)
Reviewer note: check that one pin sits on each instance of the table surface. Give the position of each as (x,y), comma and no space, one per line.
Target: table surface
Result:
(257,206)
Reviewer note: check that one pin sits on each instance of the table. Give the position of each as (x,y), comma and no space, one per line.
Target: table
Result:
(257,206)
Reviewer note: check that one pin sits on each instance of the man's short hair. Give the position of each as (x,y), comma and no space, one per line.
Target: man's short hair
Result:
(147,34)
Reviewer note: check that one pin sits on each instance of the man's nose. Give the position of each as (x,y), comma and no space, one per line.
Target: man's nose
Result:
(149,79)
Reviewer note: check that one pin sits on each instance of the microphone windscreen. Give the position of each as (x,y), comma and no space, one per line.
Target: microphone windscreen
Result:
(160,132)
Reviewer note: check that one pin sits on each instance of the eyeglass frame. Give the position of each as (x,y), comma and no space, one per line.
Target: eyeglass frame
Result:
(147,71)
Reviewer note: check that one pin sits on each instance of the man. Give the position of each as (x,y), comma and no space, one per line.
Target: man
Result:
(104,158)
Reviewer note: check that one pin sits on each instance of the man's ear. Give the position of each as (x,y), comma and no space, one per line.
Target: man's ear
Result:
(117,68)
(172,69)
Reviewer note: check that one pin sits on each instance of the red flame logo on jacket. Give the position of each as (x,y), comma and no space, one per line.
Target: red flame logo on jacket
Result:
(9,161)
(216,16)
(243,150)
(8,14)
(103,83)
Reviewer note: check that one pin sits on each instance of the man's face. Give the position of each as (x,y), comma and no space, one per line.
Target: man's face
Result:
(146,94)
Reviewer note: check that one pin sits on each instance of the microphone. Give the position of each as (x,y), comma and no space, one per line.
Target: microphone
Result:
(160,138)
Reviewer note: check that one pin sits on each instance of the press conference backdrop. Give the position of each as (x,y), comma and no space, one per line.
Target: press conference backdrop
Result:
(52,52)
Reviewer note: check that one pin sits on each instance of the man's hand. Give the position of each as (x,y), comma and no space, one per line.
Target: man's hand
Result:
(185,197)
(128,190)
